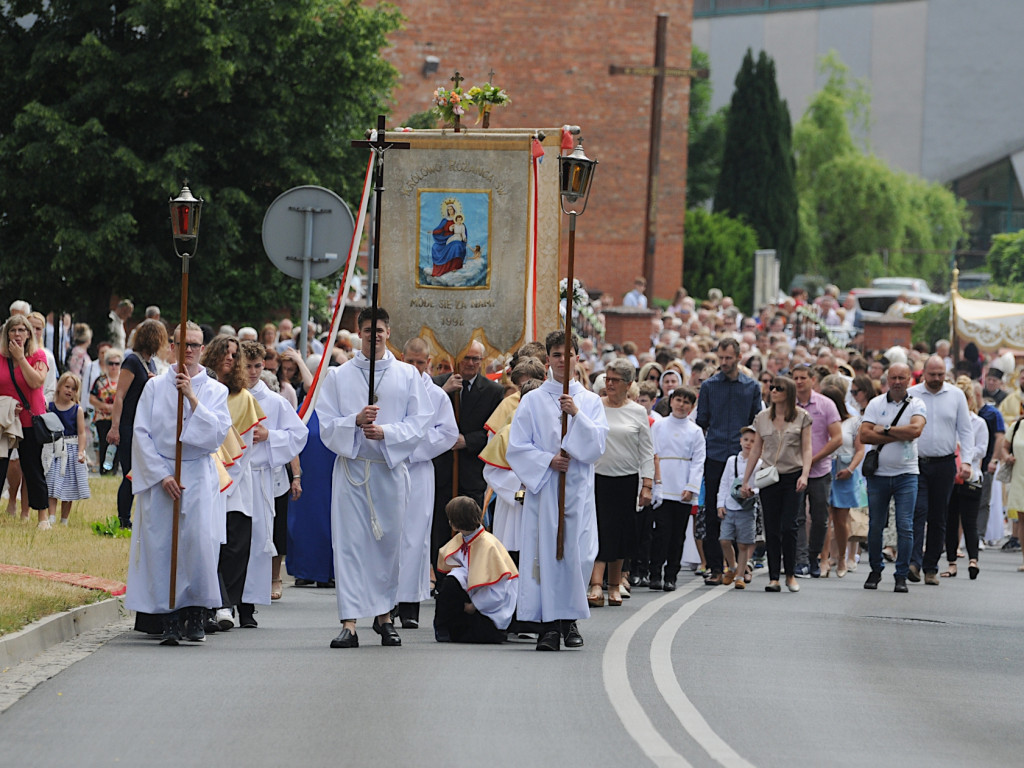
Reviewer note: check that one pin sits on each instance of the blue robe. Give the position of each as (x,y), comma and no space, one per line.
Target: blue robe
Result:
(310,555)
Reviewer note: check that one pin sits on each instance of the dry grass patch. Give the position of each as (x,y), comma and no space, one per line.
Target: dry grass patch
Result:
(73,549)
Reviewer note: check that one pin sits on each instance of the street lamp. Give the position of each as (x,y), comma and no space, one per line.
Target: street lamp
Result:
(575,172)
(185,210)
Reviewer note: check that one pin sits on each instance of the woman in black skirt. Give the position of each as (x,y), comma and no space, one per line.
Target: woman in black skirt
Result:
(626,466)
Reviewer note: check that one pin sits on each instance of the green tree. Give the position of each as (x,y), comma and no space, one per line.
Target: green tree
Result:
(757,178)
(859,218)
(705,137)
(720,254)
(1006,258)
(108,105)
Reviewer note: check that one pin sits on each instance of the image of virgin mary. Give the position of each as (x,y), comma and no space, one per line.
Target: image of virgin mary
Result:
(448,252)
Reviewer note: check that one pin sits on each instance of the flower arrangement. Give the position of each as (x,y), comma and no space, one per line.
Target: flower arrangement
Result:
(485,97)
(448,103)
(580,304)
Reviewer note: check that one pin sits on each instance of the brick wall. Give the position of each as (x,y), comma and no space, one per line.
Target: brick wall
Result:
(555,68)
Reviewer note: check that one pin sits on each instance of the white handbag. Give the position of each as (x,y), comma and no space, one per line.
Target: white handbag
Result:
(767,476)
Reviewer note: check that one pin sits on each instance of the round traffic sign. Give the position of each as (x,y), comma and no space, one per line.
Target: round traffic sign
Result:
(285,229)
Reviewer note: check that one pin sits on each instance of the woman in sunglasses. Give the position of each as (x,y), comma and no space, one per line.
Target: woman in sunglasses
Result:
(782,440)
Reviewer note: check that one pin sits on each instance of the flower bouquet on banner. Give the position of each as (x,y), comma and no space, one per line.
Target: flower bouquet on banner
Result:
(449,105)
(485,97)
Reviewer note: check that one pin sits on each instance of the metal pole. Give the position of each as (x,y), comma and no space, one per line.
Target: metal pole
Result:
(307,266)
(176,512)
(375,261)
(651,214)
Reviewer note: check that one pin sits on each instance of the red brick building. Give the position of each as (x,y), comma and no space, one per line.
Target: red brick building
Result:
(555,68)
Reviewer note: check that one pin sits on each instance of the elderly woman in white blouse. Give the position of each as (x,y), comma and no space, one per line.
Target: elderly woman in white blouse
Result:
(626,467)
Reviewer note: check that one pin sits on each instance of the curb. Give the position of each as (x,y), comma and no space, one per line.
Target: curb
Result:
(53,630)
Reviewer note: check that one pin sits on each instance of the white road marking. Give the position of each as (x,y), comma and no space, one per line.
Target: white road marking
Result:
(668,685)
(616,684)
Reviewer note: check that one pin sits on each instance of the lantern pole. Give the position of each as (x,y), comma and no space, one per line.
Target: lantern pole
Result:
(185,211)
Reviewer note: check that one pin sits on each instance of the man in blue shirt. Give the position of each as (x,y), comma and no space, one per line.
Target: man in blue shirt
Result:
(727,402)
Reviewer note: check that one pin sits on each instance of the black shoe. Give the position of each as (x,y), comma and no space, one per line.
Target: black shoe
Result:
(643,581)
(873,579)
(246,617)
(571,633)
(304,583)
(442,635)
(669,586)
(814,570)
(195,619)
(914,574)
(901,585)
(714,580)
(551,640)
(410,624)
(1012,545)
(172,629)
(346,639)
(773,588)
(388,634)
(656,584)
(329,584)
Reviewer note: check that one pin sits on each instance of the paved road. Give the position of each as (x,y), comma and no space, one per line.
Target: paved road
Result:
(834,676)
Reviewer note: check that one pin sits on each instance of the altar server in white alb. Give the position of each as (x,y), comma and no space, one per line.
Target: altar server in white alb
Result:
(371,487)
(414,560)
(286,437)
(205,424)
(553,591)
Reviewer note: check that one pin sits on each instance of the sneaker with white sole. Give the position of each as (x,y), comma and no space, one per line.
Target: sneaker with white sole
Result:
(224,619)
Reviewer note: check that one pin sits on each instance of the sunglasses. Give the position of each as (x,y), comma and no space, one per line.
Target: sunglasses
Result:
(777,388)
(854,391)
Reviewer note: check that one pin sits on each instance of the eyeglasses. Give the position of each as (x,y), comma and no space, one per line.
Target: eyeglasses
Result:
(472,359)
(854,391)
(192,345)
(777,388)
(113,362)
(610,380)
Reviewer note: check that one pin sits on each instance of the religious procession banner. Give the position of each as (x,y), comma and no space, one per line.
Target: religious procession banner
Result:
(470,239)
(989,324)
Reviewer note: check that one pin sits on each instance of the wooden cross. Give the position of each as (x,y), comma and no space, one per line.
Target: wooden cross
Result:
(457,78)
(659,72)
(378,146)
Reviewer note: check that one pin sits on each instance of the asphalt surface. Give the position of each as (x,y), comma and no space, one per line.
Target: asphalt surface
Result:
(834,675)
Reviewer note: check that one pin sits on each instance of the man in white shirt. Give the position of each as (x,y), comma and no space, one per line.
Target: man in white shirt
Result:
(892,423)
(636,297)
(949,423)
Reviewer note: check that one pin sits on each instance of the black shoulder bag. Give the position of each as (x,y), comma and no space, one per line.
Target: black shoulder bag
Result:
(48,428)
(869,466)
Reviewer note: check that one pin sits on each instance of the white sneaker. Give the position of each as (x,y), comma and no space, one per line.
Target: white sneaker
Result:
(53,519)
(981,546)
(44,526)
(64,521)
(224,619)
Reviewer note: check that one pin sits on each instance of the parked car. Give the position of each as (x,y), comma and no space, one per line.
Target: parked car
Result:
(874,302)
(915,284)
(969,280)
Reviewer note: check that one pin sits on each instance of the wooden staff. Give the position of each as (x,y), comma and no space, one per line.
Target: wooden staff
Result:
(566,378)
(455,451)
(176,514)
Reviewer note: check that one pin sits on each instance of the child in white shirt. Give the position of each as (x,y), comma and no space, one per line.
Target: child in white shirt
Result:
(738,515)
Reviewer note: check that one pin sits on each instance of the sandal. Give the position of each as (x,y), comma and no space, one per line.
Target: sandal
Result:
(597,600)
(972,569)
(275,589)
(950,574)
(748,574)
(613,599)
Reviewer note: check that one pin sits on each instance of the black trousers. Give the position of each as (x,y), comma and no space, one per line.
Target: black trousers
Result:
(234,558)
(963,509)
(783,508)
(670,520)
(450,615)
(713,526)
(125,497)
(640,564)
(934,486)
(30,455)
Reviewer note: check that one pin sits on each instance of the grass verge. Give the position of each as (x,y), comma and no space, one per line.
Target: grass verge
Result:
(75,548)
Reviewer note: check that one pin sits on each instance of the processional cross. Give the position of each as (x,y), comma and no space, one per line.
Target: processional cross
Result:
(659,72)
(378,144)
(457,78)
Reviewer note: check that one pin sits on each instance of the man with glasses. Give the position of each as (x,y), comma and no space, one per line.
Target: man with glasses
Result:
(474,398)
(205,425)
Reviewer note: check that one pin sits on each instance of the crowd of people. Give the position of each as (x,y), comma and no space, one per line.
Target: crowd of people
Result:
(721,444)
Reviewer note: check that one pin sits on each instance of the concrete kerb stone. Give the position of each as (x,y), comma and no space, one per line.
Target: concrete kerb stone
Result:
(53,630)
